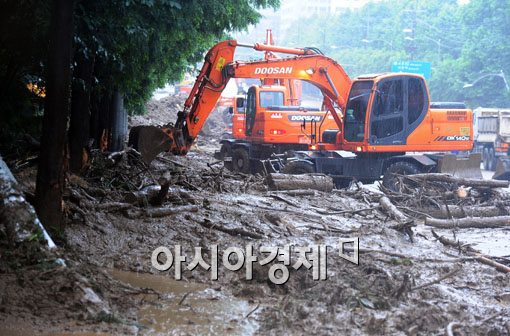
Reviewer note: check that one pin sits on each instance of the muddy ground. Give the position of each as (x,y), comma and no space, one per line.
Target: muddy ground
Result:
(406,283)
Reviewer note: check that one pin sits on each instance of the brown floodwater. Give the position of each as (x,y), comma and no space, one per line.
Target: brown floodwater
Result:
(188,308)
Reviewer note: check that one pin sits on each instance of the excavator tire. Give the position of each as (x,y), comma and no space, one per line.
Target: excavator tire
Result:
(241,160)
(390,178)
(485,158)
(298,167)
(502,169)
(492,159)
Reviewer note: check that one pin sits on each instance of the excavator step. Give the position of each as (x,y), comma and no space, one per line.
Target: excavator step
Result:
(467,167)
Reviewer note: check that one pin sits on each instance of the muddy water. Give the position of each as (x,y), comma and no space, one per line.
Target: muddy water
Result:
(188,308)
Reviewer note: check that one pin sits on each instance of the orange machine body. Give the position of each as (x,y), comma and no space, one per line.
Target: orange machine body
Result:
(271,119)
(391,113)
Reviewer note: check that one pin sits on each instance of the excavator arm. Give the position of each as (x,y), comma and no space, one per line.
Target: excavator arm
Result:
(219,66)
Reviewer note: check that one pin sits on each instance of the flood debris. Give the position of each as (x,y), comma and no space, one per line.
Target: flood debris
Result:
(408,280)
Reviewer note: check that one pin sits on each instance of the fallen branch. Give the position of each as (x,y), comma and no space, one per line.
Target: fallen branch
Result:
(283,199)
(451,326)
(438,177)
(438,280)
(159,212)
(297,192)
(331,213)
(112,206)
(392,209)
(162,212)
(234,232)
(469,222)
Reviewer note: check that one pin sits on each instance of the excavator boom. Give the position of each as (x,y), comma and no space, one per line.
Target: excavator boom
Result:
(219,66)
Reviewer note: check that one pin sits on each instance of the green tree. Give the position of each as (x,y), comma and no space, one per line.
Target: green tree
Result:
(486,51)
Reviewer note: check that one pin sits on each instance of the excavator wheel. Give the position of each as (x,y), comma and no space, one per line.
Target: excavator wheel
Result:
(241,160)
(492,159)
(225,151)
(502,169)
(390,178)
(298,167)
(486,159)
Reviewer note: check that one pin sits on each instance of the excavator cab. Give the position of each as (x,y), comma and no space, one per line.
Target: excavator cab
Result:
(384,111)
(391,113)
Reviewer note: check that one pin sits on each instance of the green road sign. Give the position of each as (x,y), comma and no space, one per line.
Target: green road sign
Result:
(417,67)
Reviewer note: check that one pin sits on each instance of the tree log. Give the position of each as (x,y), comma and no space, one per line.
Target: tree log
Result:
(469,222)
(456,211)
(438,177)
(392,209)
(294,182)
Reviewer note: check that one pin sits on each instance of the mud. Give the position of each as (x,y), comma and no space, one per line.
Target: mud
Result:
(400,287)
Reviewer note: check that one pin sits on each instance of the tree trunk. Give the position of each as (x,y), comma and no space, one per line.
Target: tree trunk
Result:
(50,173)
(293,182)
(79,128)
(118,122)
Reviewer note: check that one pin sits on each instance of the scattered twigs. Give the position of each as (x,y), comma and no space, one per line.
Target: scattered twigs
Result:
(471,251)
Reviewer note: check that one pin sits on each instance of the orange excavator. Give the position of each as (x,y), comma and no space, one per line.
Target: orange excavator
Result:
(273,124)
(378,117)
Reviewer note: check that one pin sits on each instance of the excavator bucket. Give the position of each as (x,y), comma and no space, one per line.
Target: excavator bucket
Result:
(502,169)
(468,167)
(149,141)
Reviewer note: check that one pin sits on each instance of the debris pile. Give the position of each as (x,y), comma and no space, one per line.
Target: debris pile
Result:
(449,202)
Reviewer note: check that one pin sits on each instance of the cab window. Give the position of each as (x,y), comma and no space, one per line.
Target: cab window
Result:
(354,126)
(417,99)
(271,98)
(250,111)
(388,110)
